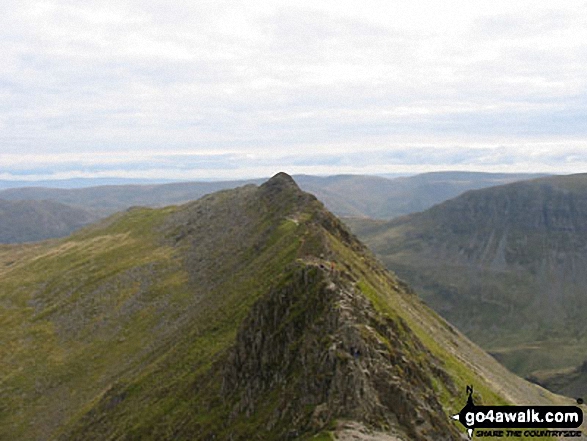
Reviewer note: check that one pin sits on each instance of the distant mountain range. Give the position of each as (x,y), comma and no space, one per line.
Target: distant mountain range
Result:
(345,195)
(252,313)
(507,265)
(27,221)
(79,182)
(108,199)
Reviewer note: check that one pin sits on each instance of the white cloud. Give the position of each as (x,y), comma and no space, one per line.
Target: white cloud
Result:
(512,156)
(102,79)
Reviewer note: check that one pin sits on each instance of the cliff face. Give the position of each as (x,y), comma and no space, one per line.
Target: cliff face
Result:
(512,259)
(518,224)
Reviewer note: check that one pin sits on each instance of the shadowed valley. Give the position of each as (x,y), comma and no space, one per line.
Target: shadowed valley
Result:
(507,265)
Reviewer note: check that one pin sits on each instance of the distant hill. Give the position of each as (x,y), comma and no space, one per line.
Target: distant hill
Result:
(79,182)
(108,199)
(381,198)
(27,221)
(249,314)
(507,265)
(344,195)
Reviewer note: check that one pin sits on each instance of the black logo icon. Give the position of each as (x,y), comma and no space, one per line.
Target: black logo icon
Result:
(517,417)
(469,407)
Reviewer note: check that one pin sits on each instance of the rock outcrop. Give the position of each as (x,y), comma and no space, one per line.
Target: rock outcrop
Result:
(322,352)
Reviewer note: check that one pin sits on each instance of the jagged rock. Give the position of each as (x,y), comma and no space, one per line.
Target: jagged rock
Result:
(320,346)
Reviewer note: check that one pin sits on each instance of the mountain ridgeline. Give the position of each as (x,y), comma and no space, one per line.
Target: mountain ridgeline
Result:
(344,195)
(510,259)
(251,313)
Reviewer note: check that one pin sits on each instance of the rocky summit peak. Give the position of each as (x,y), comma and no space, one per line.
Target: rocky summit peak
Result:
(280,181)
(283,194)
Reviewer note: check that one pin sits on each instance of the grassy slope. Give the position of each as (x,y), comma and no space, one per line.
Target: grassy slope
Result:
(73,318)
(118,331)
(100,307)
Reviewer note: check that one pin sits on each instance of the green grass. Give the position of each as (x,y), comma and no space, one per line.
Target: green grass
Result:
(122,331)
(116,312)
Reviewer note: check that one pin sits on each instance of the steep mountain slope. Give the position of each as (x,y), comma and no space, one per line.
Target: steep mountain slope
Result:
(381,198)
(27,221)
(510,259)
(570,381)
(249,314)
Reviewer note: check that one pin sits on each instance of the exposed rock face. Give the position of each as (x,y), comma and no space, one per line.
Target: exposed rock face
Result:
(510,259)
(279,183)
(318,347)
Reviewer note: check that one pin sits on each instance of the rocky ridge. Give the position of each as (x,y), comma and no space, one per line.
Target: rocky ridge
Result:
(251,314)
(319,344)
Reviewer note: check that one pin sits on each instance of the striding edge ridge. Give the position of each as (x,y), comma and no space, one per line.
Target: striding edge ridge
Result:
(315,351)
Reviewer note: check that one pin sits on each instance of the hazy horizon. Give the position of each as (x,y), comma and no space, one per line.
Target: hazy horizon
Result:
(73,183)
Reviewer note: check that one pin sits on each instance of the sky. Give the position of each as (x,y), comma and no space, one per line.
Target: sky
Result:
(229,89)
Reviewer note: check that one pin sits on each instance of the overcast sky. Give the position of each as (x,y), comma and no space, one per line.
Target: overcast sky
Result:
(227,89)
